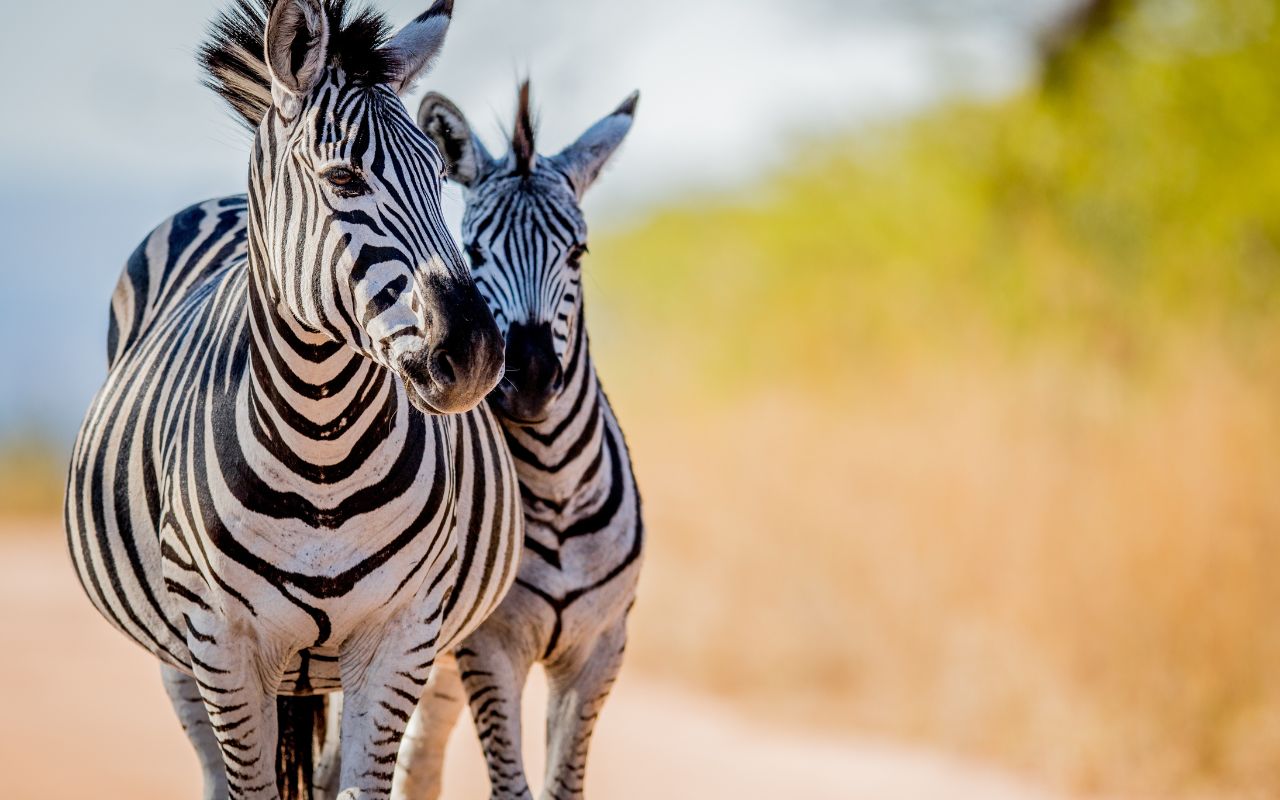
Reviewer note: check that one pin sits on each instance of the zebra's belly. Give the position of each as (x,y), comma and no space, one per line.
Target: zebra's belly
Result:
(313,671)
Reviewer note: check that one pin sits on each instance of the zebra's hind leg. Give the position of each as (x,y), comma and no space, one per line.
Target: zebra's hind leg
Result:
(329,767)
(184,694)
(420,765)
(494,670)
(579,683)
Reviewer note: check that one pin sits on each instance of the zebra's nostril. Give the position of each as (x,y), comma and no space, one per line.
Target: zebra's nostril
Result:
(442,368)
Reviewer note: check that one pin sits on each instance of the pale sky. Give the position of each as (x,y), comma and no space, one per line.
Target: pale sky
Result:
(107,130)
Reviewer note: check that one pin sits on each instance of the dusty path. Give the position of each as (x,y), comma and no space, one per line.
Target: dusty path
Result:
(84,716)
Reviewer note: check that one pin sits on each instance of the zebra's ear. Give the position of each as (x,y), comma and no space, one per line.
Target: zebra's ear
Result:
(418,43)
(466,157)
(296,46)
(583,160)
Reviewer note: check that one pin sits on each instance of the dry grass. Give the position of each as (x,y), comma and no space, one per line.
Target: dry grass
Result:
(1071,569)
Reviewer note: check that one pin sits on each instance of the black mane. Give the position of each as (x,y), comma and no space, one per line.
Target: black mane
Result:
(234,60)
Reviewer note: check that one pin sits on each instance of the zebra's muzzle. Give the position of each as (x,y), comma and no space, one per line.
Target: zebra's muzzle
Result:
(463,357)
(534,376)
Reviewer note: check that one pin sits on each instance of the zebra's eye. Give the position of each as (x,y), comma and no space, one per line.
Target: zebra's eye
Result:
(346,181)
(575,255)
(475,254)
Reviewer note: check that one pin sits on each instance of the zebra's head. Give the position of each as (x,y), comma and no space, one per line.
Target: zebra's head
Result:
(525,236)
(347,235)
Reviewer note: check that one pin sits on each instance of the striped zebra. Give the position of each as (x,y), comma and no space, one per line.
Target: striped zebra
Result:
(525,234)
(285,485)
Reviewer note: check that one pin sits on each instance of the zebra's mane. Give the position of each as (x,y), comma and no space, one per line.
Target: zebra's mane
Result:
(234,59)
(522,145)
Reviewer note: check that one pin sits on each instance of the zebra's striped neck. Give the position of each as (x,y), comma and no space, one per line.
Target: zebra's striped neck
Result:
(312,404)
(559,458)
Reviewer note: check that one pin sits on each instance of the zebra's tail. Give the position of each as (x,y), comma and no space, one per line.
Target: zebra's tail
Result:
(301,726)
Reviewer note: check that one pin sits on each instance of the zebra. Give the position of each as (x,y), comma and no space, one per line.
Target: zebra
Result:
(526,236)
(287,484)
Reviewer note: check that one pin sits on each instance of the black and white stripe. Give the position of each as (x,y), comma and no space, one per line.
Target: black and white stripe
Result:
(267,493)
(525,234)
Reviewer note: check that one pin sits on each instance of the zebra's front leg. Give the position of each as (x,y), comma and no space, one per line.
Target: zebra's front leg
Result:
(494,669)
(185,696)
(579,683)
(420,765)
(242,714)
(383,675)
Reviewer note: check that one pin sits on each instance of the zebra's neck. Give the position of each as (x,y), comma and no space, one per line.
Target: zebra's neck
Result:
(310,404)
(560,458)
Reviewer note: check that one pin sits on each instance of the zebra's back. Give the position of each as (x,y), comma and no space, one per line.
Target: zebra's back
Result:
(180,254)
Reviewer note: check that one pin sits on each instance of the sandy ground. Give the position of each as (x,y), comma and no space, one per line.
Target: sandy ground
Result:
(84,715)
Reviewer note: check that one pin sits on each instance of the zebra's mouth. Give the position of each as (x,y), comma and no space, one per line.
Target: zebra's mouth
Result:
(519,408)
(523,423)
(502,406)
(418,398)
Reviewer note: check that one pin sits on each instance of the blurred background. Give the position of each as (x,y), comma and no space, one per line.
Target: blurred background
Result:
(945,335)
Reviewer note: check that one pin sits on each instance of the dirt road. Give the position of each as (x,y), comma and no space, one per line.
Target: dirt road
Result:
(84,716)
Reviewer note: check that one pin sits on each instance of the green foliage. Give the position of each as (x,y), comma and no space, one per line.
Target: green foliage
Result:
(1135,195)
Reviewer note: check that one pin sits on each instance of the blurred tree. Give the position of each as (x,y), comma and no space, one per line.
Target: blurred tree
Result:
(1075,30)
(1135,202)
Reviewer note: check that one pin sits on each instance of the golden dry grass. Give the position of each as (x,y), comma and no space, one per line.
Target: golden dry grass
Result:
(1067,567)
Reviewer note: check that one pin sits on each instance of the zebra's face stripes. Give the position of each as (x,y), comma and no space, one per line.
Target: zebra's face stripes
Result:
(345,189)
(525,236)
(359,250)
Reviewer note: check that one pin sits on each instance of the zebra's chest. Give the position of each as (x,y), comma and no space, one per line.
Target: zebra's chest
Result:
(584,536)
(310,586)
(567,556)
(308,567)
